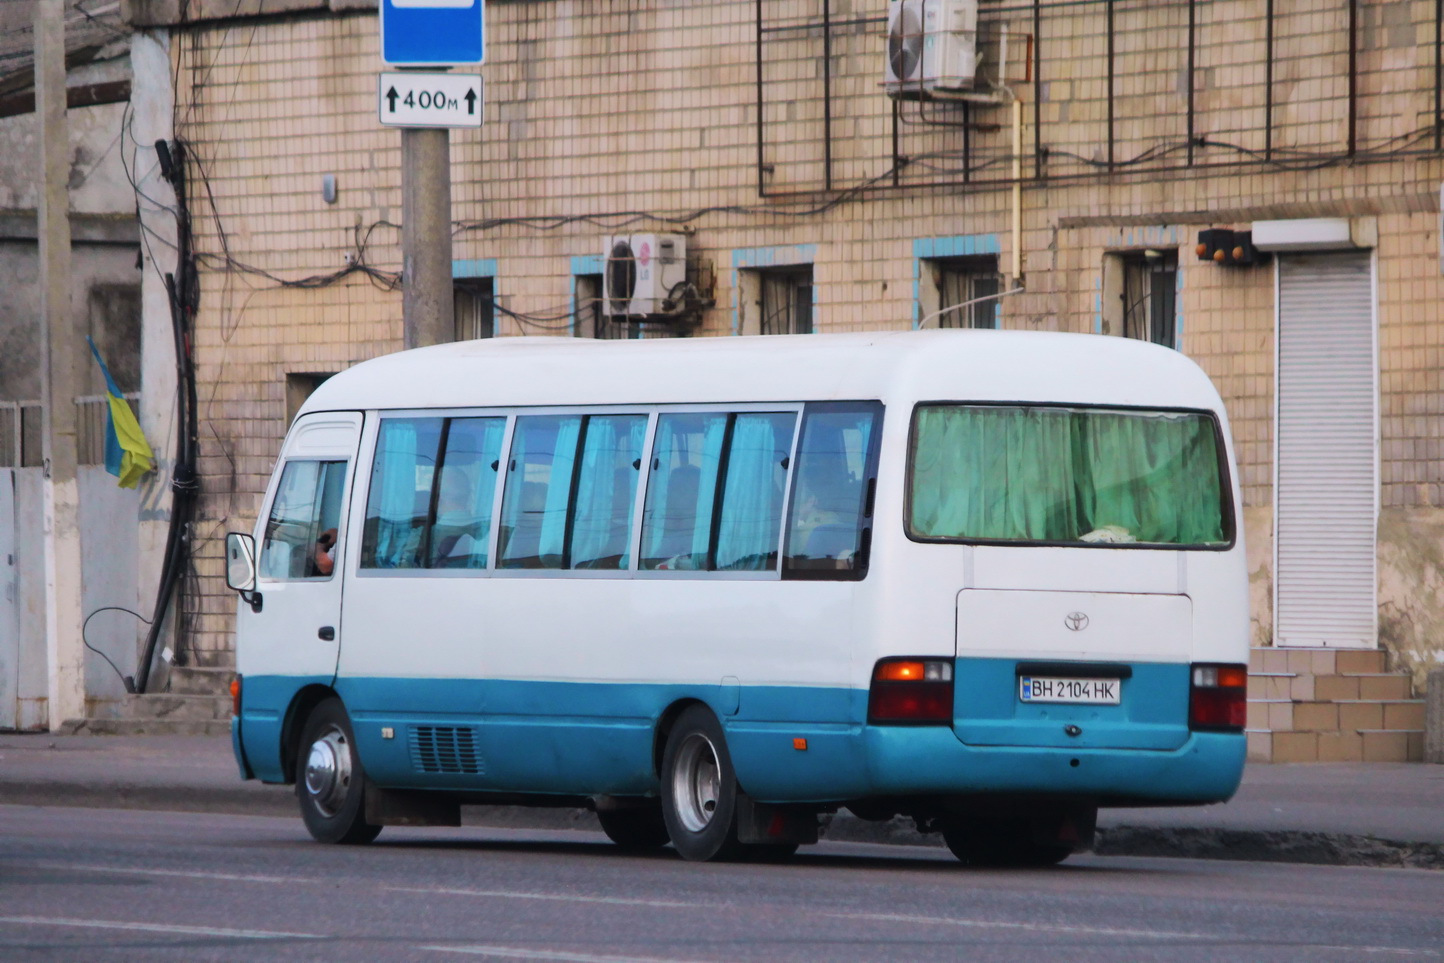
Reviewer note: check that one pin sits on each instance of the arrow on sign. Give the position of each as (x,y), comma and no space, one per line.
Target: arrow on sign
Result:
(391,95)
(470,102)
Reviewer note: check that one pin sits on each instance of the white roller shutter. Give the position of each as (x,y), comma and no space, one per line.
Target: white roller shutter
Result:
(1325,496)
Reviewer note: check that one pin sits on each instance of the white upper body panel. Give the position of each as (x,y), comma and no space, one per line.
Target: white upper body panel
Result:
(896,367)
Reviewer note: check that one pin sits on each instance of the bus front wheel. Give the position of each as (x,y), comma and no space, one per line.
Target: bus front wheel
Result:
(330,782)
(638,829)
(699,788)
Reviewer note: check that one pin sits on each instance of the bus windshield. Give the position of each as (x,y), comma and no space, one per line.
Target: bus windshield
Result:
(1055,475)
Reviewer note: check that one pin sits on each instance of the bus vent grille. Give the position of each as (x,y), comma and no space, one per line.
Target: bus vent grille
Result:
(445,749)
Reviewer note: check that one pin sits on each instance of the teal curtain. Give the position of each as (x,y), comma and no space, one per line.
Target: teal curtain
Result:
(400,491)
(677,519)
(1062,475)
(462,528)
(538,488)
(751,520)
(606,491)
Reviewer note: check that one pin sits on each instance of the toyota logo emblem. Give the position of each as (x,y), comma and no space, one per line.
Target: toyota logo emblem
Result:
(1076,621)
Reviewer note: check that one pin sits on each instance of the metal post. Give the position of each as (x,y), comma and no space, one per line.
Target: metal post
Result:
(426,298)
(1192,57)
(60,374)
(1108,9)
(827,94)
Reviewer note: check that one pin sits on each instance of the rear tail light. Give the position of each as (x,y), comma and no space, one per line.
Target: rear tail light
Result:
(911,692)
(236,696)
(1218,697)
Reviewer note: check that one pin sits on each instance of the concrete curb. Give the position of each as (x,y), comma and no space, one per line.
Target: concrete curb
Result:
(255,799)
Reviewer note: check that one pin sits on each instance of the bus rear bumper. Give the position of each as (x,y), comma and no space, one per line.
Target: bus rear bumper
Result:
(925,761)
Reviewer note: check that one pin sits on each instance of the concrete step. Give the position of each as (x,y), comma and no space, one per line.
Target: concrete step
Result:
(184,708)
(1317,662)
(148,727)
(197,680)
(1370,745)
(1344,715)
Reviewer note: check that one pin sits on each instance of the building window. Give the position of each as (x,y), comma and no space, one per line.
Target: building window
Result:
(1140,296)
(299,386)
(786,300)
(951,282)
(592,321)
(474,304)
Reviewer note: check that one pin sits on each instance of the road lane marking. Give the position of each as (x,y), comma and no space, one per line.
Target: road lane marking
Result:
(1031,927)
(184,874)
(512,894)
(1107,931)
(559,956)
(160,928)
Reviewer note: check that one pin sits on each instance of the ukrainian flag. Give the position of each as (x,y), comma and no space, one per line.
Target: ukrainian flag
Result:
(127,455)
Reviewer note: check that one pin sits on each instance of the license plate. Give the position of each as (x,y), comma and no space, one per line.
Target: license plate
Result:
(1037,688)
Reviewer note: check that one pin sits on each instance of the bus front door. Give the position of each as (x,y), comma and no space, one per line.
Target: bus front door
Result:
(293,638)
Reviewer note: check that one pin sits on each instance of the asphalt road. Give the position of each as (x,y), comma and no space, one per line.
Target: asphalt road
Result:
(107,885)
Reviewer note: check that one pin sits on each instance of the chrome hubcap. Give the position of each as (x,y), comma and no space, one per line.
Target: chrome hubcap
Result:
(696,780)
(328,771)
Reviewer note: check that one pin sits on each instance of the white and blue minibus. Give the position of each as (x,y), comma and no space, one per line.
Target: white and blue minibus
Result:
(718,589)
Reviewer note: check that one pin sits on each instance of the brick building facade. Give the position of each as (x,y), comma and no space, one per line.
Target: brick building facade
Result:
(765,132)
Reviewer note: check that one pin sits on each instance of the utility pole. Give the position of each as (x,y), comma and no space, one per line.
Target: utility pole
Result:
(426,299)
(60,375)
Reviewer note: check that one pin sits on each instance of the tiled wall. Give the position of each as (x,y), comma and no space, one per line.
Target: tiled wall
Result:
(623,106)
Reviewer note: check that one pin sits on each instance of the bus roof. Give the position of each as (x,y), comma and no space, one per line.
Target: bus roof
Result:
(896,367)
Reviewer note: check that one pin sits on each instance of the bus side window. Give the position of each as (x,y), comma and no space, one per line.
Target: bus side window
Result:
(534,504)
(300,538)
(677,516)
(835,463)
(750,523)
(606,491)
(469,469)
(399,500)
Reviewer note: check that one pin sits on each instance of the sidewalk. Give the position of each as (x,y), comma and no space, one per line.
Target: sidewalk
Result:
(1377,814)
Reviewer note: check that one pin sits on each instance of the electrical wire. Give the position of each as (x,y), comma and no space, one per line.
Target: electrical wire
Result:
(124,679)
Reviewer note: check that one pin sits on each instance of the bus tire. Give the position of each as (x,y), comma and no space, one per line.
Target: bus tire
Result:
(330,783)
(637,829)
(1001,843)
(699,788)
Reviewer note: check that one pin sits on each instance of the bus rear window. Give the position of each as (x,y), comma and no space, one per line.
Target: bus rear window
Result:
(1067,476)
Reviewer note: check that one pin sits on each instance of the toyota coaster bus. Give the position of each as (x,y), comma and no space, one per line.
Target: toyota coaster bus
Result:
(718,589)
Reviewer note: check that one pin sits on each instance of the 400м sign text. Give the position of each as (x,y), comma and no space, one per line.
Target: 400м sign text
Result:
(429,100)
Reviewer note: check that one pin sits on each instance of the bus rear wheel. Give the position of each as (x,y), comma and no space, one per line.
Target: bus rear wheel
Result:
(1002,843)
(699,788)
(638,829)
(330,782)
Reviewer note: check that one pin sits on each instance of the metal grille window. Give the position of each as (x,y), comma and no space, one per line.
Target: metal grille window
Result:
(787,301)
(474,304)
(961,280)
(1148,299)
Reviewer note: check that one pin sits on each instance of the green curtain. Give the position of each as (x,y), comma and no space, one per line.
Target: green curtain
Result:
(1062,475)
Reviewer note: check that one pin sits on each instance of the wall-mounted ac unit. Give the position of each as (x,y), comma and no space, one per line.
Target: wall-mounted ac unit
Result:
(642,272)
(932,47)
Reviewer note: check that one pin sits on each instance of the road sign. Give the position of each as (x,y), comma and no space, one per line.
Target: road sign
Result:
(431,33)
(429,100)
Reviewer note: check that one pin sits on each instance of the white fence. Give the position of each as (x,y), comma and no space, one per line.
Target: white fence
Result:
(20,430)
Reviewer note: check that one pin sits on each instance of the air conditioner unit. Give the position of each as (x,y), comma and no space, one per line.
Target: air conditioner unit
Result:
(932,47)
(642,272)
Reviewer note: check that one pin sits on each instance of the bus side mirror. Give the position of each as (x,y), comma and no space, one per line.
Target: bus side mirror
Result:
(241,568)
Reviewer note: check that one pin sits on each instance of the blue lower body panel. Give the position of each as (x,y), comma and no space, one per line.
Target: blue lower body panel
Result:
(788,744)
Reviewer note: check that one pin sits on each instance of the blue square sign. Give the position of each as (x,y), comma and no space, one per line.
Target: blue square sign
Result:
(431,33)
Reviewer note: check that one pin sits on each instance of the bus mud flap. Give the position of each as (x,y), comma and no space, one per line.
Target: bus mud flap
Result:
(763,823)
(395,807)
